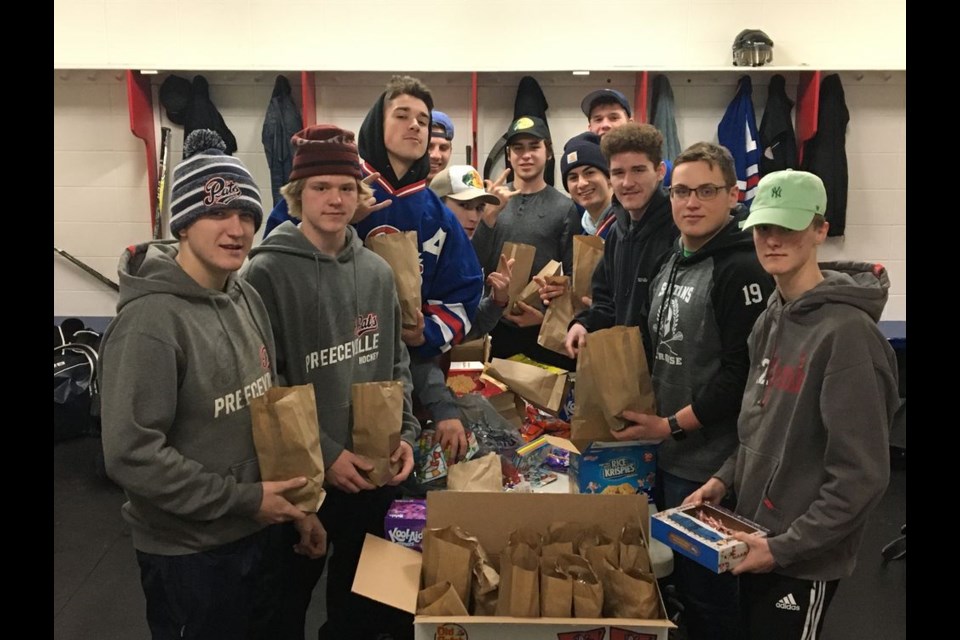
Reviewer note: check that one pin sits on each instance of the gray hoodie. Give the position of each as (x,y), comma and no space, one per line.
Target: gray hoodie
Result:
(813,459)
(336,321)
(179,365)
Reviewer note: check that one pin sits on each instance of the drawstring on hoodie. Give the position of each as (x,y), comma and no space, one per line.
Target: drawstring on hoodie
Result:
(667,294)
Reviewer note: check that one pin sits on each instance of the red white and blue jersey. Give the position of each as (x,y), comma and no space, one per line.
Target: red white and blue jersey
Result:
(738,133)
(451,279)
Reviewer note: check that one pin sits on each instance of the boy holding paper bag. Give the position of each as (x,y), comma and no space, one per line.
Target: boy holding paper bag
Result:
(188,350)
(703,304)
(337,321)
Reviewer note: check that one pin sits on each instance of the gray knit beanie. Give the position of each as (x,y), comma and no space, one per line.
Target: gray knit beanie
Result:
(207,180)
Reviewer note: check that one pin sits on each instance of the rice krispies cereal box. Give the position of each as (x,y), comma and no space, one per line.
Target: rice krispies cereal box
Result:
(615,467)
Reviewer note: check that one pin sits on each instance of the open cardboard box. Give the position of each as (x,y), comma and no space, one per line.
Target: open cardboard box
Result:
(390,574)
(683,530)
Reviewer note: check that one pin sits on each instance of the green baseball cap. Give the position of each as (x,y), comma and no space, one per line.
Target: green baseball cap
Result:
(787,199)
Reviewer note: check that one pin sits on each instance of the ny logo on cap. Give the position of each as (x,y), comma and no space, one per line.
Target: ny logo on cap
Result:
(776,192)
(220,191)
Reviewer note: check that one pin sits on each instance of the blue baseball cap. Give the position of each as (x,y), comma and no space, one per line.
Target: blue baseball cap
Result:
(607,95)
(440,119)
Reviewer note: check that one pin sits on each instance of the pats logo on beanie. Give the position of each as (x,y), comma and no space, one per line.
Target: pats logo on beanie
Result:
(209,180)
(325,150)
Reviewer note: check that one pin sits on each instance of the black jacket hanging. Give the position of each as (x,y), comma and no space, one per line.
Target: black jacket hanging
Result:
(530,101)
(825,154)
(778,143)
(280,123)
(202,114)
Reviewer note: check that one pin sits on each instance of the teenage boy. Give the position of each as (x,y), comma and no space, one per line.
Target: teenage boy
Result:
(703,303)
(538,215)
(605,109)
(586,177)
(441,142)
(189,347)
(336,319)
(460,188)
(813,459)
(642,236)
(393,143)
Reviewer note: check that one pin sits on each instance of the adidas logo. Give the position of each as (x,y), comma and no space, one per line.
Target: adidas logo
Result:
(788,602)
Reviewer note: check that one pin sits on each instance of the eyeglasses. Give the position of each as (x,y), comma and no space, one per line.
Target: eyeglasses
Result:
(704,191)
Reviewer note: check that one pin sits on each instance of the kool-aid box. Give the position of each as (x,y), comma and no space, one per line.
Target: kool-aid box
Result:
(404,522)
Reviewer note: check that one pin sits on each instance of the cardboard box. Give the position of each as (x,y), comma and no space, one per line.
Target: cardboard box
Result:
(390,574)
(685,531)
(614,467)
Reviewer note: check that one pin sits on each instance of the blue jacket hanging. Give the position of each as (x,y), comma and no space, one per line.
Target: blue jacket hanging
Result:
(738,133)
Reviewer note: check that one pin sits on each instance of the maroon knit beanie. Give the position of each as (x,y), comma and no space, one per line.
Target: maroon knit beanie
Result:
(324,149)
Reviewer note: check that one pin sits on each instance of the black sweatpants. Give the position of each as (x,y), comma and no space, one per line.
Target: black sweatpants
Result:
(347,517)
(777,607)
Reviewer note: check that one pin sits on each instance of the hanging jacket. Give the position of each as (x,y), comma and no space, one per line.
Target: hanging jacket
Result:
(814,425)
(778,143)
(529,101)
(662,117)
(337,322)
(179,365)
(738,133)
(451,279)
(281,121)
(203,114)
(702,308)
(825,154)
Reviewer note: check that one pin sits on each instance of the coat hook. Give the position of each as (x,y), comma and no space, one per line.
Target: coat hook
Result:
(887,76)
(92,76)
(858,77)
(64,75)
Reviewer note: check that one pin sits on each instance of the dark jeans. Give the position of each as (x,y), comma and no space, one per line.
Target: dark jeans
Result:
(203,596)
(711,608)
(347,517)
(777,607)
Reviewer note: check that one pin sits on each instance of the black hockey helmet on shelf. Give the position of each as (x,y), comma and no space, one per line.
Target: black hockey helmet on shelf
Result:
(752,48)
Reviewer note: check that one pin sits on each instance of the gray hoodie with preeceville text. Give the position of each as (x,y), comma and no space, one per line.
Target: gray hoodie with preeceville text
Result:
(179,365)
(336,321)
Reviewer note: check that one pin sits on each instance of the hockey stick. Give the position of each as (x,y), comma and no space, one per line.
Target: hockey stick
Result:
(96,274)
(161,182)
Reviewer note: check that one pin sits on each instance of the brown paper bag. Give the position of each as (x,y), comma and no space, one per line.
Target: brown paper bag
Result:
(448,557)
(401,252)
(587,253)
(614,366)
(473,351)
(528,536)
(519,582)
(538,386)
(377,419)
(587,588)
(440,599)
(553,329)
(523,254)
(632,551)
(561,538)
(531,292)
(556,591)
(481,474)
(630,593)
(286,434)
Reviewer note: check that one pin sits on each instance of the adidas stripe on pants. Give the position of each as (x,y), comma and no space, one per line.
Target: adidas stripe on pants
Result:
(777,607)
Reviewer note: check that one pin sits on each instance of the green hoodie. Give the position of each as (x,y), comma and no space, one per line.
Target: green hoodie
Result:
(179,363)
(336,321)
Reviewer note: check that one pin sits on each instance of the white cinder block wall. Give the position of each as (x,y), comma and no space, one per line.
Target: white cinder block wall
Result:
(100,184)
